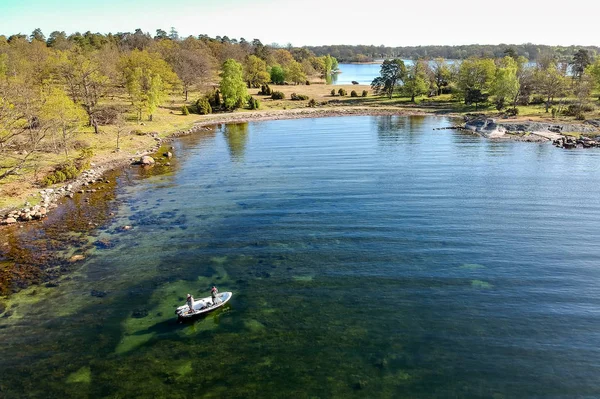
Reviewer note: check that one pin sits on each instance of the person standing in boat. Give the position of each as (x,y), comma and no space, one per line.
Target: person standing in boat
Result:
(213,293)
(190,303)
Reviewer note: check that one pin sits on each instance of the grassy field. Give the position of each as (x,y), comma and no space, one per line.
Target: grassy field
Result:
(137,137)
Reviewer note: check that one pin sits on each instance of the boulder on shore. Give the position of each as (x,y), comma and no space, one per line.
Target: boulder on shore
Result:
(147,160)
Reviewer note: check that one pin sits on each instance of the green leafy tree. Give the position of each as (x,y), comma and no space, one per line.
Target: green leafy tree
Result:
(506,84)
(255,71)
(148,78)
(392,72)
(295,72)
(551,83)
(232,84)
(441,74)
(277,75)
(416,82)
(63,116)
(475,74)
(581,60)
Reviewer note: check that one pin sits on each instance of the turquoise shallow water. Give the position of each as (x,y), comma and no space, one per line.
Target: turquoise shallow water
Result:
(368,256)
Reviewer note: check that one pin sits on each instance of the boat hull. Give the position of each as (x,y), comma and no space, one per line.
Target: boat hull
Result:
(203,306)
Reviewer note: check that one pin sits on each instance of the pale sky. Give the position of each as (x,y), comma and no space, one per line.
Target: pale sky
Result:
(319,22)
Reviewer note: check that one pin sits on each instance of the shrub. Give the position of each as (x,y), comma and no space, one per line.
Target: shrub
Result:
(353,93)
(253,103)
(308,83)
(365,93)
(312,103)
(138,132)
(298,97)
(277,95)
(537,100)
(107,115)
(184,110)
(265,90)
(203,106)
(512,112)
(342,92)
(214,99)
(332,92)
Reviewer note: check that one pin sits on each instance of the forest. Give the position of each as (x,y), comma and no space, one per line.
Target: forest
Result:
(360,53)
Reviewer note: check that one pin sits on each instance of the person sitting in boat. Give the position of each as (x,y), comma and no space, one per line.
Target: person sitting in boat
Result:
(213,293)
(190,303)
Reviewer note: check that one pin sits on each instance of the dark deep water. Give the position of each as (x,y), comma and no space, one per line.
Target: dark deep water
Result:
(369,257)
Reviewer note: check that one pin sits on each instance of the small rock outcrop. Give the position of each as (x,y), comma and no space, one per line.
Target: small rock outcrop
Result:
(147,160)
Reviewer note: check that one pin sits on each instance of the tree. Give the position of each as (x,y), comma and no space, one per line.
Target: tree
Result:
(192,65)
(441,74)
(593,70)
(277,75)
(86,84)
(232,84)
(506,83)
(161,35)
(148,77)
(416,82)
(62,115)
(295,73)
(21,132)
(551,83)
(392,72)
(475,74)
(255,71)
(581,60)
(37,35)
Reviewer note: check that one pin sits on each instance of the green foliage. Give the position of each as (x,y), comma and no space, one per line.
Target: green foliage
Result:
(312,103)
(232,84)
(298,97)
(265,90)
(203,106)
(333,92)
(66,171)
(506,83)
(475,75)
(365,93)
(277,75)
(392,72)
(342,92)
(184,110)
(277,95)
(253,103)
(148,78)
(295,73)
(353,93)
(416,81)
(255,71)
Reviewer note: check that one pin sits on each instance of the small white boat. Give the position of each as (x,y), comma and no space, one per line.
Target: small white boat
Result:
(203,305)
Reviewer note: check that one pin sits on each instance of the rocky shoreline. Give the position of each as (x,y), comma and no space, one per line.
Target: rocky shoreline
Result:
(529,130)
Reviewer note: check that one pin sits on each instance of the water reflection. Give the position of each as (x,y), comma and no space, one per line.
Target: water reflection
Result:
(392,129)
(236,135)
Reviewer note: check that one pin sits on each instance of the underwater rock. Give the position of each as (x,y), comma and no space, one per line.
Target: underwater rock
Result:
(7,314)
(2,307)
(98,294)
(76,258)
(168,154)
(51,284)
(139,313)
(103,244)
(126,228)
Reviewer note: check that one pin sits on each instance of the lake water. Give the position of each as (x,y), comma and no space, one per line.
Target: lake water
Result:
(361,73)
(369,257)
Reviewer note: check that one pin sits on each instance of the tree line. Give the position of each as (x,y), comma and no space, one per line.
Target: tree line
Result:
(507,81)
(50,87)
(362,53)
